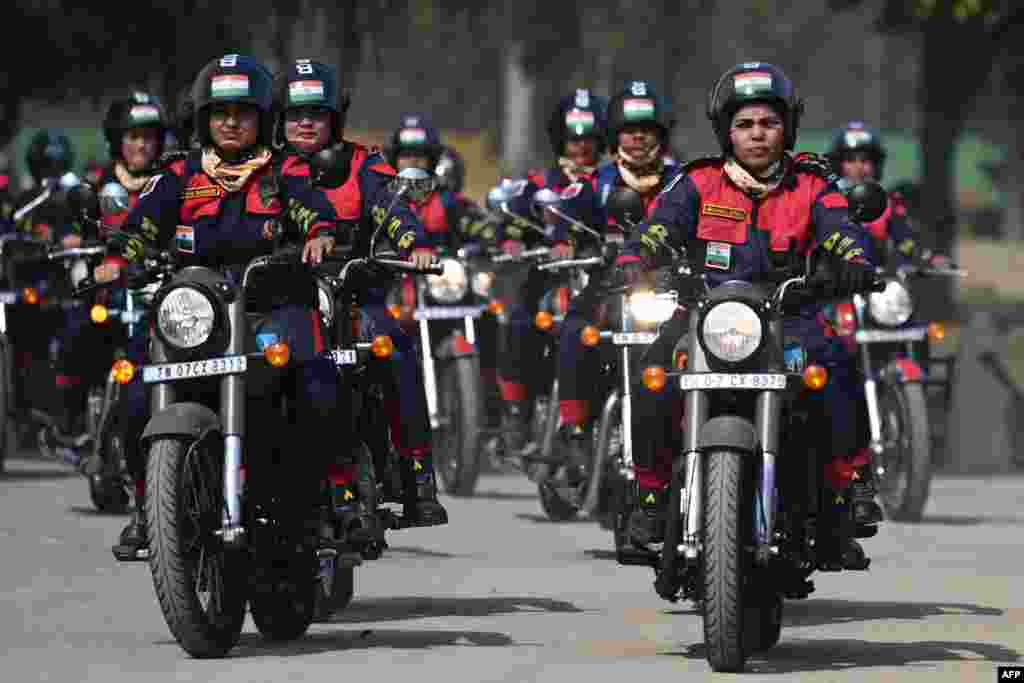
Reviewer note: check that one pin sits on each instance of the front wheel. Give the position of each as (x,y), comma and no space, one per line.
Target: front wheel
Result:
(201,595)
(334,591)
(285,610)
(457,443)
(908,468)
(726,532)
(6,423)
(106,488)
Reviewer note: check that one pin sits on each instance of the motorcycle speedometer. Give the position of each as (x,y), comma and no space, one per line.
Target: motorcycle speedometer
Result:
(731,331)
(892,307)
(186,317)
(450,287)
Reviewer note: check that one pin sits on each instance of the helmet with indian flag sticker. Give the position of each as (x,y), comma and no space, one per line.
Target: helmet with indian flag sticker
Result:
(235,79)
(580,115)
(749,83)
(307,83)
(137,110)
(638,104)
(415,136)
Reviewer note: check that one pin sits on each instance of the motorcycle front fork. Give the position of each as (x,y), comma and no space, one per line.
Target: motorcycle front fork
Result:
(429,365)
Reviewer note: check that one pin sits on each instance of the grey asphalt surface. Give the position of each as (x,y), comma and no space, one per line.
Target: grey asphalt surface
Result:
(501,594)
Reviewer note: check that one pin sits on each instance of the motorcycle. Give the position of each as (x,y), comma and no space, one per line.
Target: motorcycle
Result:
(747,518)
(895,359)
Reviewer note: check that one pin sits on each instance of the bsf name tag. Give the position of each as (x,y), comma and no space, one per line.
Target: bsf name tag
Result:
(720,211)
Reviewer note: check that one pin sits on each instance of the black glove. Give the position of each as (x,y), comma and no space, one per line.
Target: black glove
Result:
(853,277)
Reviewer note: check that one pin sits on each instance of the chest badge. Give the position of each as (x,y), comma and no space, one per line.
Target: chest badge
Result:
(720,211)
(718,256)
(185,239)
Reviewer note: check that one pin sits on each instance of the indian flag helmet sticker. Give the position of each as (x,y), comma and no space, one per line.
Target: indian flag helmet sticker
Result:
(142,114)
(412,136)
(638,109)
(752,82)
(579,122)
(305,92)
(230,85)
(855,138)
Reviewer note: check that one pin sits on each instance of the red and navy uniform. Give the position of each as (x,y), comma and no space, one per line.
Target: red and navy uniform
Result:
(579,364)
(521,342)
(360,201)
(892,235)
(733,236)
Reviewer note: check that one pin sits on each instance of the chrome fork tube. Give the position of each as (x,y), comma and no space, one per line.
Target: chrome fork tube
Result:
(429,376)
(470,330)
(232,412)
(769,412)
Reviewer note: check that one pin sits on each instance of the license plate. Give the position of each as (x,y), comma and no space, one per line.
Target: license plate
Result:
(722,380)
(633,338)
(169,372)
(8,297)
(912,334)
(447,312)
(344,356)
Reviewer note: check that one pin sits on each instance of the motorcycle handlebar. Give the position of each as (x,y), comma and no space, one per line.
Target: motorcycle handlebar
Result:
(77,252)
(571,263)
(395,264)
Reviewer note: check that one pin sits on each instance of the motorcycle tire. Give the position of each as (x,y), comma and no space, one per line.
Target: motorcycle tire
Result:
(457,450)
(764,624)
(286,611)
(724,561)
(909,507)
(203,631)
(335,596)
(7,427)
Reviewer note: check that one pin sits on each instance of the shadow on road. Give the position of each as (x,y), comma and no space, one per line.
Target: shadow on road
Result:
(399,608)
(253,645)
(825,612)
(416,551)
(830,654)
(26,474)
(543,519)
(967,520)
(506,495)
(86,511)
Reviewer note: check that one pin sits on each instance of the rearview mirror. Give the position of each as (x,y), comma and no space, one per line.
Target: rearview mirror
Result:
(625,206)
(113,199)
(868,201)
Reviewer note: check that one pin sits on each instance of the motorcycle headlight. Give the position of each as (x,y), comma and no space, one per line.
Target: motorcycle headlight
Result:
(450,287)
(648,307)
(186,317)
(482,282)
(79,271)
(893,306)
(731,331)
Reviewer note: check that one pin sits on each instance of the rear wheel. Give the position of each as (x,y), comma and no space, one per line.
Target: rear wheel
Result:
(285,609)
(197,583)
(726,529)
(908,469)
(334,591)
(457,449)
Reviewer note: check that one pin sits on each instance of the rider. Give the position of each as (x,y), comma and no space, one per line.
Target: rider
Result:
(222,206)
(639,126)
(49,158)
(313,119)
(740,215)
(857,154)
(576,130)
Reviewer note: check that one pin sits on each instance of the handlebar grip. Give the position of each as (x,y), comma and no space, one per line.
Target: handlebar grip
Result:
(288,255)
(395,264)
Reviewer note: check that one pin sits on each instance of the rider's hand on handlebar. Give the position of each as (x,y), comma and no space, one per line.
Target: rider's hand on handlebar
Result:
(421,258)
(562,250)
(71,241)
(853,276)
(317,249)
(108,272)
(513,248)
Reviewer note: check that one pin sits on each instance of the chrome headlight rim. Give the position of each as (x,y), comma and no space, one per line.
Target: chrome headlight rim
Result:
(451,287)
(216,340)
(325,302)
(753,315)
(894,306)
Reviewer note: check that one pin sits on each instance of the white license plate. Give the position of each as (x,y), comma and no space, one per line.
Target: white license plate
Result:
(169,372)
(447,312)
(912,334)
(8,297)
(345,356)
(633,338)
(722,380)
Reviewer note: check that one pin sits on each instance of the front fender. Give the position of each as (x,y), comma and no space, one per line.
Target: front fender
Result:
(188,420)
(903,370)
(728,431)
(454,346)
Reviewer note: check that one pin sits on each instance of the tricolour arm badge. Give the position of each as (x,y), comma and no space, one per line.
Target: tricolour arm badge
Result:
(718,255)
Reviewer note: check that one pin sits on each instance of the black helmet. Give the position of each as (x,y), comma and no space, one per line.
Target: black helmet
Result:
(138,110)
(581,115)
(638,103)
(307,83)
(856,137)
(49,155)
(233,78)
(451,170)
(415,134)
(748,83)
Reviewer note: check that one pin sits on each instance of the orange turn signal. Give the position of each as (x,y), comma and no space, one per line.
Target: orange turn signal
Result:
(496,308)
(123,371)
(382,346)
(590,336)
(30,295)
(277,354)
(682,360)
(655,378)
(815,377)
(936,332)
(395,311)
(544,321)
(99,314)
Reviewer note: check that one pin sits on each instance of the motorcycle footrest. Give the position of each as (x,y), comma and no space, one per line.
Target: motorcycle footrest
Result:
(636,557)
(130,553)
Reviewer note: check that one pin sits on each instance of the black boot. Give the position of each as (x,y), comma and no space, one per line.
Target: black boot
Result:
(866,512)
(350,512)
(515,425)
(133,543)
(647,521)
(420,504)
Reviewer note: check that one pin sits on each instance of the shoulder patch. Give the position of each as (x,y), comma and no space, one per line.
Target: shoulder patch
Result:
(834,200)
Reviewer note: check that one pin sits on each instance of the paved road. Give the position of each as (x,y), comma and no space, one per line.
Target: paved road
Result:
(503,595)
